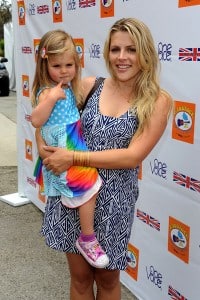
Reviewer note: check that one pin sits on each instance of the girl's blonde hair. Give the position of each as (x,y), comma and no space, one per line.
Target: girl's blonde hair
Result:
(55,42)
(146,88)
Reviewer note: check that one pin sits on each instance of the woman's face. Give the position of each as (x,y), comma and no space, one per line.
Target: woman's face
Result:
(123,57)
(62,67)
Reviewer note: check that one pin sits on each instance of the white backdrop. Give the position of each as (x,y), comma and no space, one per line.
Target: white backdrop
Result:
(164,250)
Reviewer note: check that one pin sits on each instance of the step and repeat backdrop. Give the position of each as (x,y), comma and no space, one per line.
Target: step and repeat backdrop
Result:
(164,250)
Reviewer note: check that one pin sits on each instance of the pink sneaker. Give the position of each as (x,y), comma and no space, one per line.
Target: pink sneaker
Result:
(93,253)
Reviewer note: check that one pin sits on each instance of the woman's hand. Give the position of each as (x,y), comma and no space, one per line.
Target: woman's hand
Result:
(40,144)
(59,159)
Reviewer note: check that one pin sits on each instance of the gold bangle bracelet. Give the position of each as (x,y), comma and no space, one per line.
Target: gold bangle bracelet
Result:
(81,158)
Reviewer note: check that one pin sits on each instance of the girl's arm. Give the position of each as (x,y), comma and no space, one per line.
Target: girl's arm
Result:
(47,100)
(41,145)
(139,148)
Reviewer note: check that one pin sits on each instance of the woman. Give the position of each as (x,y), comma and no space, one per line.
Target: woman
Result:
(122,122)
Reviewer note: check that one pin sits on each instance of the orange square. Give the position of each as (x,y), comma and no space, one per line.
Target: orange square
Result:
(185,3)
(57,10)
(36,43)
(140,172)
(179,239)
(107,8)
(21,12)
(28,150)
(25,85)
(183,122)
(133,261)
(79,43)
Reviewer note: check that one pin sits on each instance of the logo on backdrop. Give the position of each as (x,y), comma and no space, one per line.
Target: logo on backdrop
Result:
(133,261)
(186,181)
(95,51)
(25,85)
(184,3)
(175,295)
(21,12)
(31,182)
(86,3)
(149,220)
(71,4)
(107,8)
(41,195)
(179,239)
(27,117)
(183,121)
(36,43)
(57,11)
(79,43)
(140,172)
(165,52)
(40,9)
(189,54)
(26,50)
(154,276)
(28,150)
(32,9)
(158,168)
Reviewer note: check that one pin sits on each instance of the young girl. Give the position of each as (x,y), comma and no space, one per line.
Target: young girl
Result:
(55,90)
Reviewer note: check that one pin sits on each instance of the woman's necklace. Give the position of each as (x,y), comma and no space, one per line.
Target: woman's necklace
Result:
(123,90)
(125,94)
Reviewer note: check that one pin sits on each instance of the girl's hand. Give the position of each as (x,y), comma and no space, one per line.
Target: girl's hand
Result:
(56,93)
(59,160)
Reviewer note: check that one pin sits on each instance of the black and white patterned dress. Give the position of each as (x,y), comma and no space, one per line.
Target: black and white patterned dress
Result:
(116,199)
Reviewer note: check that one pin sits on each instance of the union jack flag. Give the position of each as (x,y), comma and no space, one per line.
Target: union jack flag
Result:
(189,54)
(149,220)
(186,181)
(26,49)
(42,9)
(175,295)
(87,3)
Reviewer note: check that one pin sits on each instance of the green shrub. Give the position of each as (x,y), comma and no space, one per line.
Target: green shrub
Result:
(1,47)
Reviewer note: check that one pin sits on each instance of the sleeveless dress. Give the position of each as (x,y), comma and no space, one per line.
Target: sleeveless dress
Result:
(117,196)
(63,129)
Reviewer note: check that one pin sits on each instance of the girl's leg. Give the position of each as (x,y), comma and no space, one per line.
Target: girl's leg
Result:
(87,243)
(108,284)
(82,278)
(86,213)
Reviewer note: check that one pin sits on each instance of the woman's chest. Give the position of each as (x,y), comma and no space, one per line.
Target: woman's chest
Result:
(103,132)
(112,105)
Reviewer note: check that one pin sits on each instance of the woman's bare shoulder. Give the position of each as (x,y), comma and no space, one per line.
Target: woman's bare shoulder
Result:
(165,102)
(87,84)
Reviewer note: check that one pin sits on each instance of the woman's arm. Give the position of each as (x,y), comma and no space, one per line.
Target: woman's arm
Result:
(47,100)
(128,158)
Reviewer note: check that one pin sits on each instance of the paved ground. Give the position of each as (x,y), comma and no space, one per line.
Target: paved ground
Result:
(28,269)
(8,118)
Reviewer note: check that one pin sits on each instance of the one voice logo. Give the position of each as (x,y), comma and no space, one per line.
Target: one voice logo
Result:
(159,168)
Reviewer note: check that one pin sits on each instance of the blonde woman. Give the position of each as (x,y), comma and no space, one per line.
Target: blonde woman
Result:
(122,122)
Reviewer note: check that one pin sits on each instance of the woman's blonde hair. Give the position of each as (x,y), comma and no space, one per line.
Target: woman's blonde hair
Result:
(55,42)
(146,88)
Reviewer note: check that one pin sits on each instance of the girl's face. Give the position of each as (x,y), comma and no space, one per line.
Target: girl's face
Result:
(123,57)
(62,67)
